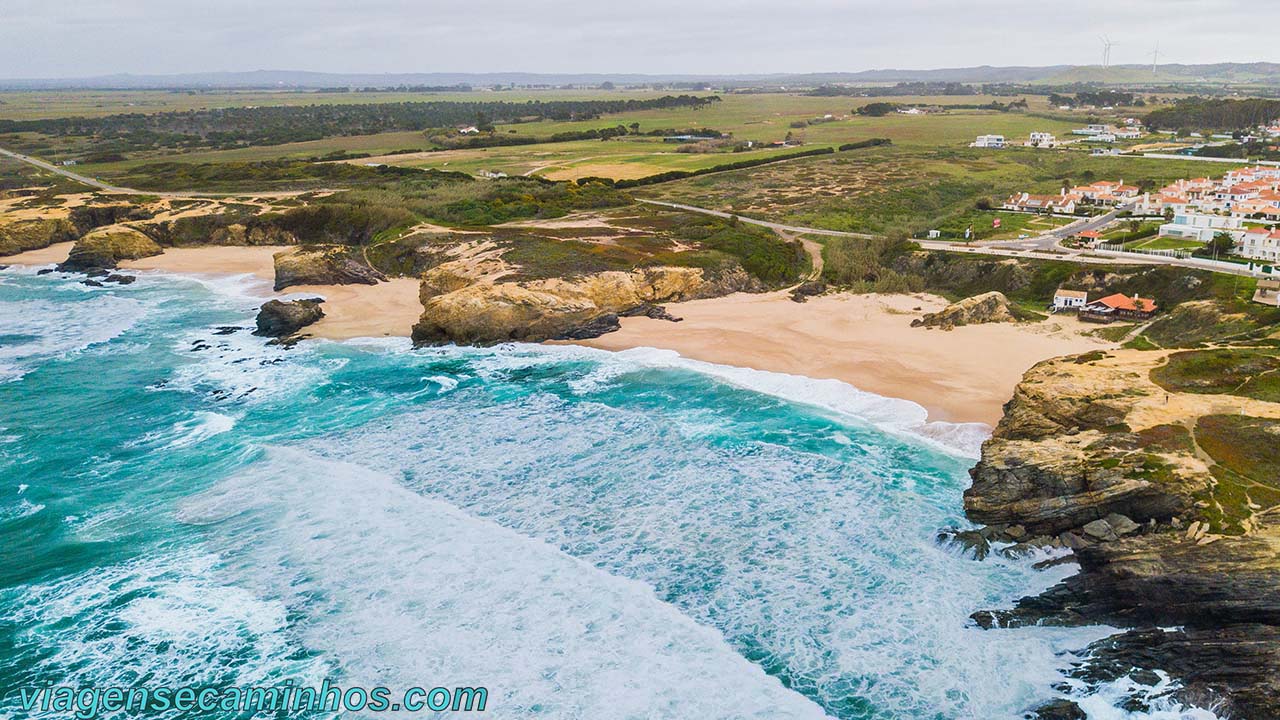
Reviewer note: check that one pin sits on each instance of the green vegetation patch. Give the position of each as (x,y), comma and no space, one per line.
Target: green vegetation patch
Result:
(1247,453)
(1244,372)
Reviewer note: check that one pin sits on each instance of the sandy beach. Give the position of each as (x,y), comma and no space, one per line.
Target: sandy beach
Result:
(386,309)
(962,375)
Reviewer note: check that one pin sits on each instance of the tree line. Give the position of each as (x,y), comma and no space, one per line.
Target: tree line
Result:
(1214,114)
(234,127)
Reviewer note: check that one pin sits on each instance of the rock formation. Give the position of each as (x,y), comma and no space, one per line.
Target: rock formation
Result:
(105,248)
(34,234)
(457,310)
(989,307)
(278,318)
(323,266)
(1093,455)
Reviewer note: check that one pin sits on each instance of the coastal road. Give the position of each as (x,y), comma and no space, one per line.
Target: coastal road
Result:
(91,182)
(1042,247)
(1050,252)
(116,189)
(1052,240)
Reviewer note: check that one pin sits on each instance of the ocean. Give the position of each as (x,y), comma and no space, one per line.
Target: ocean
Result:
(584,534)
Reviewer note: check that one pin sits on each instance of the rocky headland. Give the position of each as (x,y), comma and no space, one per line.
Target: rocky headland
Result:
(1160,477)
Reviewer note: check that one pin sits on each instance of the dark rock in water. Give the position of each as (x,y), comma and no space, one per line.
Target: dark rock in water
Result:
(121,279)
(1058,710)
(804,291)
(656,312)
(973,541)
(593,328)
(277,318)
(226,329)
(4,267)
(91,283)
(45,271)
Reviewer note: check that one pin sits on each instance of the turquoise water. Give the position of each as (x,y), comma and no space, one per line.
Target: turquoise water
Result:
(587,535)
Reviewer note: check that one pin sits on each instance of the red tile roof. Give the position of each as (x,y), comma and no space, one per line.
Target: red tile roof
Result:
(1120,301)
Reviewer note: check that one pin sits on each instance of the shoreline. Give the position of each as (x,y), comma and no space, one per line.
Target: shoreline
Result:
(960,376)
(388,309)
(963,375)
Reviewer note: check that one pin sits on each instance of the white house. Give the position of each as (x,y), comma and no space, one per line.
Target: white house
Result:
(1094,129)
(989,141)
(1069,300)
(1042,140)
(1200,227)
(1261,244)
(469,130)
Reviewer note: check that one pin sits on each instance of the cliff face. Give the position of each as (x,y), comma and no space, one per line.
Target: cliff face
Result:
(323,266)
(476,311)
(105,248)
(1064,454)
(1166,500)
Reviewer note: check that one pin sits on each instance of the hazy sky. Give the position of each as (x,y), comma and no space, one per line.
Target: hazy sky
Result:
(60,38)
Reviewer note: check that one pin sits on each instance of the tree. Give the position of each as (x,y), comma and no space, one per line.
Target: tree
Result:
(635,128)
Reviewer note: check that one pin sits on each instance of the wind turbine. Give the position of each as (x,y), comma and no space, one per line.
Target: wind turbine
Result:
(1155,58)
(1106,51)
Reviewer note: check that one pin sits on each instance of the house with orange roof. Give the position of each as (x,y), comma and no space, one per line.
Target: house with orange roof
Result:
(1119,307)
(1261,244)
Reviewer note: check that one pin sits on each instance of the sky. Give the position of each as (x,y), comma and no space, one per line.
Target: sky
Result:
(79,38)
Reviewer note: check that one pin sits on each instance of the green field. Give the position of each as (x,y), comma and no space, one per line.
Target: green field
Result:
(759,118)
(1166,243)
(906,189)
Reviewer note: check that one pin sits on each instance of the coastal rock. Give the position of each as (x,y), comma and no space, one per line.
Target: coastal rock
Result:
(278,318)
(1063,456)
(1090,449)
(105,248)
(804,291)
(323,266)
(592,329)
(27,235)
(989,307)
(484,313)
(1058,710)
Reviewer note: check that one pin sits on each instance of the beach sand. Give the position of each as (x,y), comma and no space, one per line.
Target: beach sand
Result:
(962,375)
(55,253)
(386,309)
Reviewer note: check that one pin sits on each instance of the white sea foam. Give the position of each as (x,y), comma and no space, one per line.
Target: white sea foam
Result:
(165,618)
(893,415)
(41,330)
(184,433)
(824,568)
(402,590)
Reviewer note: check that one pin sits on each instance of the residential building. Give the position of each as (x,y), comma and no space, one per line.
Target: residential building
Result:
(1094,129)
(1042,140)
(1069,300)
(1201,227)
(1118,307)
(989,141)
(1026,202)
(1261,244)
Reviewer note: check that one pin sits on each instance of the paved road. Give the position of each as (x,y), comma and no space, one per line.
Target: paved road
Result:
(1052,240)
(1050,252)
(1042,247)
(92,182)
(107,187)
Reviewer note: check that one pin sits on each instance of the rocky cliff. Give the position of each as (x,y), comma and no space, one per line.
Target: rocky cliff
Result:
(105,248)
(1166,498)
(323,266)
(464,309)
